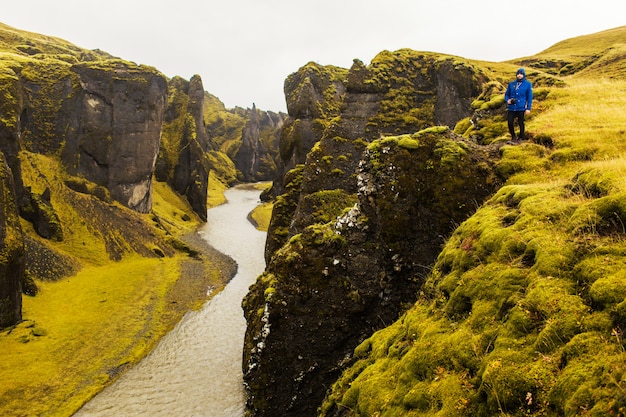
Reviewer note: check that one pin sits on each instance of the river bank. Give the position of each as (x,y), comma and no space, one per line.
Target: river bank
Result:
(196,368)
(105,319)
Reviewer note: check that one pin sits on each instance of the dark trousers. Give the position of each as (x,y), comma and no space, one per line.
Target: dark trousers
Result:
(519,115)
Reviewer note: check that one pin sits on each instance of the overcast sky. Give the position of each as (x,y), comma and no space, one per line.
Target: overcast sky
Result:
(244,49)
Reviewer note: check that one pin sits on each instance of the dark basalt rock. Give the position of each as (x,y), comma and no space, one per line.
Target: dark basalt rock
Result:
(182,161)
(39,211)
(332,280)
(120,113)
(255,159)
(104,118)
(314,96)
(11,250)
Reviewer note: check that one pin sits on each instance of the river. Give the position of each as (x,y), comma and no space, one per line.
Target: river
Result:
(195,370)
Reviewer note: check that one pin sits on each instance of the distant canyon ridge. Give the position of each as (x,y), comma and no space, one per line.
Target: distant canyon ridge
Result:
(115,127)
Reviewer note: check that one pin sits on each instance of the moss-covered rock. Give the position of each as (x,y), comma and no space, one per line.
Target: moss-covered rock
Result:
(103,118)
(183,155)
(518,316)
(346,268)
(257,155)
(12,261)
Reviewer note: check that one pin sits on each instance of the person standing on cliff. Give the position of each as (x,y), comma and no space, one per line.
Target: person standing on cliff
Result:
(519,100)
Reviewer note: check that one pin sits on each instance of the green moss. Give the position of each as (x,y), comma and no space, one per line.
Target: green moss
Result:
(408,142)
(609,290)
(450,151)
(326,205)
(605,215)
(324,235)
(463,126)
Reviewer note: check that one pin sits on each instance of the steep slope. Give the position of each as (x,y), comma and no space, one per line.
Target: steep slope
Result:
(523,313)
(249,137)
(183,161)
(522,310)
(99,248)
(256,157)
(363,218)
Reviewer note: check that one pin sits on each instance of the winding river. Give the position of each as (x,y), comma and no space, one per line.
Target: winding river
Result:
(195,370)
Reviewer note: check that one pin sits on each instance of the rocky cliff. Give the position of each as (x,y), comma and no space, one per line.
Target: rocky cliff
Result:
(363,218)
(248,136)
(183,161)
(102,117)
(110,126)
(114,131)
(11,250)
(256,157)
(515,297)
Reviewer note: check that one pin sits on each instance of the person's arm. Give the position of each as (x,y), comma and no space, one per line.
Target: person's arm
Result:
(529,97)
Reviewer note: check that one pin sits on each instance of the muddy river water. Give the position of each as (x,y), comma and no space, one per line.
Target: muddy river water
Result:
(195,370)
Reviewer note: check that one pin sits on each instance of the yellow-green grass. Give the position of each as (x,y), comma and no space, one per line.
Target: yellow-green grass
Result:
(172,211)
(79,332)
(216,190)
(586,120)
(262,214)
(543,243)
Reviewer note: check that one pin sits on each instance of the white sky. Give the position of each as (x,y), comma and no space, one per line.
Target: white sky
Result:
(244,49)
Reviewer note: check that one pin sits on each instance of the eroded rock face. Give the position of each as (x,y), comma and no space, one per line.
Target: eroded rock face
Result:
(314,95)
(120,113)
(11,250)
(104,118)
(182,161)
(332,285)
(255,159)
(332,279)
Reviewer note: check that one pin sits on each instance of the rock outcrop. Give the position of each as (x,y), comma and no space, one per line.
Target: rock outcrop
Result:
(119,112)
(11,250)
(255,159)
(103,117)
(182,161)
(314,95)
(362,219)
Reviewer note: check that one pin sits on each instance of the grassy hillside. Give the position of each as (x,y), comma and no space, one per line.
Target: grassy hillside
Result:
(102,295)
(124,291)
(525,309)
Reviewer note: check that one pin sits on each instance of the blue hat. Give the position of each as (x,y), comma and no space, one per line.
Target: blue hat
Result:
(521,71)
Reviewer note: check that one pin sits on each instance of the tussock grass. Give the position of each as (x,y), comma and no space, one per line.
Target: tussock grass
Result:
(525,310)
(589,115)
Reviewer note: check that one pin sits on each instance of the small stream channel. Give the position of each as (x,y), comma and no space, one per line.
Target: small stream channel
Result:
(195,370)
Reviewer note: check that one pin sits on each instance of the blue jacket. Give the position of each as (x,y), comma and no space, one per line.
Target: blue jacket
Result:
(523,93)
